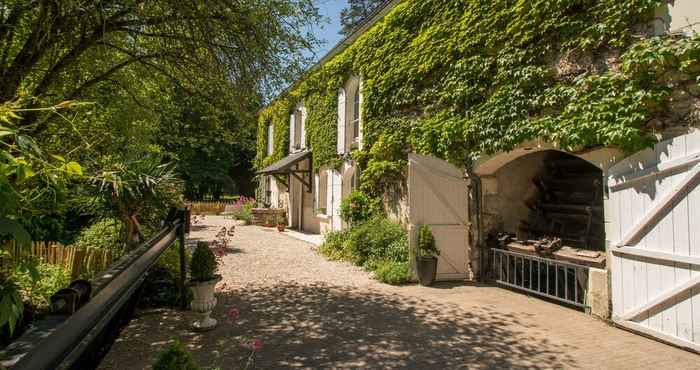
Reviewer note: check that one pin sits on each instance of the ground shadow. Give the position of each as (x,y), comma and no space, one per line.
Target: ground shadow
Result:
(322,326)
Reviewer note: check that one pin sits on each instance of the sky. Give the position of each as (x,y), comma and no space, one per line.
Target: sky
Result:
(329,31)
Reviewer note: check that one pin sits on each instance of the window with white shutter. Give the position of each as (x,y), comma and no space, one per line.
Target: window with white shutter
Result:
(291,132)
(341,121)
(270,139)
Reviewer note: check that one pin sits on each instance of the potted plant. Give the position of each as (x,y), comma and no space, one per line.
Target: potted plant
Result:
(426,261)
(280,223)
(203,280)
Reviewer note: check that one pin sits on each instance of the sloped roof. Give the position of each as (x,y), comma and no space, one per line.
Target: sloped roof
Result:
(284,165)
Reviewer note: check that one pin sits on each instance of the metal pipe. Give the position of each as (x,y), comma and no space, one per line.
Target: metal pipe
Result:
(51,352)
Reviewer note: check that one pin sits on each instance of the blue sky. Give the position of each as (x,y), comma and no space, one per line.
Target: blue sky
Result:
(329,31)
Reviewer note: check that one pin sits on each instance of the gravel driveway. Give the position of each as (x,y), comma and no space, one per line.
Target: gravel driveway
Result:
(315,314)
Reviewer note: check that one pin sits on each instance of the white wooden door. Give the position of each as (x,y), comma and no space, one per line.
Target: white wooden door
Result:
(653,233)
(437,196)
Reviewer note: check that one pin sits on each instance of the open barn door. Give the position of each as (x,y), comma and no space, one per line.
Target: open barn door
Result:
(653,231)
(437,196)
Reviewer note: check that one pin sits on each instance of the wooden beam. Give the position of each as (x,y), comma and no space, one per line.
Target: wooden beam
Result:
(655,214)
(634,176)
(661,299)
(301,179)
(649,332)
(656,255)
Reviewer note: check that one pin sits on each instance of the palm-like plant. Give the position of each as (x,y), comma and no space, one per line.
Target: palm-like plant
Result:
(132,185)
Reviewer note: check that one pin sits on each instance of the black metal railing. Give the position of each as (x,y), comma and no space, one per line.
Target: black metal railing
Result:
(77,341)
(557,280)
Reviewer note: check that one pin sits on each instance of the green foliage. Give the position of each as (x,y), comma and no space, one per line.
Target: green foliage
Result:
(134,186)
(392,272)
(170,259)
(203,265)
(104,234)
(39,291)
(11,306)
(355,208)
(426,242)
(175,357)
(459,79)
(356,12)
(377,243)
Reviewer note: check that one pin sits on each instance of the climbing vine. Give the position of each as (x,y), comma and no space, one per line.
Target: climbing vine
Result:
(461,78)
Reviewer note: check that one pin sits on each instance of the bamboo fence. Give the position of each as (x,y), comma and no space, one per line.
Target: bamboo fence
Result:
(80,262)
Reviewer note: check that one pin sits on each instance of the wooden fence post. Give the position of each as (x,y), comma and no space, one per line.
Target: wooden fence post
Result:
(183,261)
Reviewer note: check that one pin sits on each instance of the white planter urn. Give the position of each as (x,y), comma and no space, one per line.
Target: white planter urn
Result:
(203,302)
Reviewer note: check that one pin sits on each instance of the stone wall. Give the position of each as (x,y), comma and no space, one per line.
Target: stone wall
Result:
(268,216)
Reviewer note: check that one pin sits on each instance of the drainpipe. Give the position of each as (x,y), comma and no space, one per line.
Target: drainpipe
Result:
(475,226)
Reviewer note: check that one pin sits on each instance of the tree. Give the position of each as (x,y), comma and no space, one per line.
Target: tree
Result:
(133,185)
(356,12)
(63,49)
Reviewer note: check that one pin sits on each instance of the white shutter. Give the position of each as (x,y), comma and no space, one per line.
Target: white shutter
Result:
(341,121)
(329,192)
(291,133)
(359,134)
(317,191)
(303,128)
(270,139)
(337,198)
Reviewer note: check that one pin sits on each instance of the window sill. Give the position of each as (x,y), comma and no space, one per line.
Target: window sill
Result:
(322,216)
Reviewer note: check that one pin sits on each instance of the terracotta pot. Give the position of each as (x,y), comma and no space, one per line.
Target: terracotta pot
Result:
(280,227)
(427,269)
(203,302)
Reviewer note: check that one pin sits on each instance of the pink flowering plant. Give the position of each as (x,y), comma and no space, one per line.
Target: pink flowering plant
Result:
(243,209)
(252,344)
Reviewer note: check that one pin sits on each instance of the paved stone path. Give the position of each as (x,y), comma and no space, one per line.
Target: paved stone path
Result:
(312,313)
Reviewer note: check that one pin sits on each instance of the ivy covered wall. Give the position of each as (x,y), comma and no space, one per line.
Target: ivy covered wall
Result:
(461,78)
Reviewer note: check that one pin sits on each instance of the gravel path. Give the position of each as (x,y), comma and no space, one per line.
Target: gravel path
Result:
(264,256)
(310,313)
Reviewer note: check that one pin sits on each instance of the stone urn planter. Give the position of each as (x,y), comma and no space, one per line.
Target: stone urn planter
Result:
(203,302)
(204,278)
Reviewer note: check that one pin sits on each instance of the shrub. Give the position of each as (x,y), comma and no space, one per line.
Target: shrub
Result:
(355,208)
(426,242)
(372,239)
(105,233)
(392,272)
(243,209)
(204,264)
(39,291)
(333,245)
(175,357)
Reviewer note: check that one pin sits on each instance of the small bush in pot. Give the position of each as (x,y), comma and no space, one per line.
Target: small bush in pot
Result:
(203,264)
(203,271)
(426,261)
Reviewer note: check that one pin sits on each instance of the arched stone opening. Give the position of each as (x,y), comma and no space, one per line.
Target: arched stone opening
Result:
(544,194)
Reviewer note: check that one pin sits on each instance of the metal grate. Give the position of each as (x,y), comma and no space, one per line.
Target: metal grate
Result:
(561,281)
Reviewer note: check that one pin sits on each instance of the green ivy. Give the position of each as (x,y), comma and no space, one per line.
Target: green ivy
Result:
(462,78)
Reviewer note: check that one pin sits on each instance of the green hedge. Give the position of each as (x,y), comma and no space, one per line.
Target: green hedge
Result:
(379,245)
